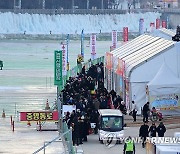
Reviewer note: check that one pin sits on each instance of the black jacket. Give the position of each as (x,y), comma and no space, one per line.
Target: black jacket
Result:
(143,131)
(161,129)
(152,131)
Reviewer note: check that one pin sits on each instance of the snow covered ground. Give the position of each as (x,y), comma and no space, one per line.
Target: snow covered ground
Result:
(72,24)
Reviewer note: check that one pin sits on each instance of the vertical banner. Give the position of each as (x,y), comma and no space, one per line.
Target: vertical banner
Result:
(93,46)
(109,60)
(141,26)
(82,44)
(164,24)
(67,45)
(152,26)
(127,93)
(120,67)
(58,80)
(64,59)
(109,66)
(114,39)
(125,34)
(157,23)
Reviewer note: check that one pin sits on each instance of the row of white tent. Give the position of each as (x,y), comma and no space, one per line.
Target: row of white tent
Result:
(150,61)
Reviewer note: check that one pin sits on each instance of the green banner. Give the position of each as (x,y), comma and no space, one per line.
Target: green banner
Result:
(58,78)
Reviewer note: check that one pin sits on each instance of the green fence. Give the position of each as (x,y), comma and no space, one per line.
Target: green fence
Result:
(68,139)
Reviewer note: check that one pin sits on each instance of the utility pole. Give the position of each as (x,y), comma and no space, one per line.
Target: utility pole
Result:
(87,4)
(17,4)
(102,6)
(73,4)
(43,4)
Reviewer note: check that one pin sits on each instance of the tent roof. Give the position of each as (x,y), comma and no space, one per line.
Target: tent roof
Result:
(164,82)
(141,49)
(167,31)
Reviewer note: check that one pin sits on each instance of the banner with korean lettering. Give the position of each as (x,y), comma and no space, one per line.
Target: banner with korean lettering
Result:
(141,26)
(93,46)
(125,34)
(157,23)
(152,26)
(120,67)
(58,68)
(164,24)
(109,60)
(114,39)
(64,59)
(39,116)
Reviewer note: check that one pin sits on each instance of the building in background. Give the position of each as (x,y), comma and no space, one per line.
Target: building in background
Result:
(168,3)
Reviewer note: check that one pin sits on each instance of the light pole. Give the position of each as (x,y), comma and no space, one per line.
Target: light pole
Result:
(87,4)
(43,4)
(102,6)
(73,4)
(17,4)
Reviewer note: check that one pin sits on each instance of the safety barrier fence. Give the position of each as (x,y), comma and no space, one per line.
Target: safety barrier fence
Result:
(61,136)
(88,11)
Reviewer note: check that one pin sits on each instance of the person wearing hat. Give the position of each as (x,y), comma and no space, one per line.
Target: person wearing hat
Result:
(129,146)
(161,129)
(153,130)
(145,112)
(144,132)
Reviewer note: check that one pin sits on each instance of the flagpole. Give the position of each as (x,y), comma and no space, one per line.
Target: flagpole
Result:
(82,44)
(67,44)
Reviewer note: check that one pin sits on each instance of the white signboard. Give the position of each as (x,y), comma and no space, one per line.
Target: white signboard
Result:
(93,46)
(68,108)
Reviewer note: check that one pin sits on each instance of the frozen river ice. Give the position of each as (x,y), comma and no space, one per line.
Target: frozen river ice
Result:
(26,81)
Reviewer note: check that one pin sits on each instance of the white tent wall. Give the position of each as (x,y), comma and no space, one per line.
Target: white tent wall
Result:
(138,93)
(145,72)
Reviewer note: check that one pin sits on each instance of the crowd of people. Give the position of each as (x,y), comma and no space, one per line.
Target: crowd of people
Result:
(87,92)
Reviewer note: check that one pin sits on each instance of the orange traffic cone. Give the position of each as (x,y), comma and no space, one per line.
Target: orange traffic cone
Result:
(3,114)
(47,105)
(28,123)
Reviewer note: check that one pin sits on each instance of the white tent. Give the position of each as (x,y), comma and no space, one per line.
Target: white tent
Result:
(164,33)
(143,57)
(164,82)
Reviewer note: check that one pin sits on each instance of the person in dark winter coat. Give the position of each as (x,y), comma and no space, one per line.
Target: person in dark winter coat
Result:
(86,128)
(161,129)
(81,130)
(144,132)
(75,131)
(153,130)
(145,112)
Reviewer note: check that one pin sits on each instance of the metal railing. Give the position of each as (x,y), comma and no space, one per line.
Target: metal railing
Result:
(87,11)
(62,136)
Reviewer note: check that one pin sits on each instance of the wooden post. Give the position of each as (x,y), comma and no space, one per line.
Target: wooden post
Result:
(13,126)
(11,120)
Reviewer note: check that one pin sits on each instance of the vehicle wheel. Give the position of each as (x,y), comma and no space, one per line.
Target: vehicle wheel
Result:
(101,141)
